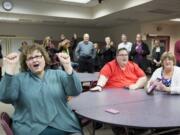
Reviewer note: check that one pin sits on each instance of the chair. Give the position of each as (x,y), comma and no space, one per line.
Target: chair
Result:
(5,122)
(83,122)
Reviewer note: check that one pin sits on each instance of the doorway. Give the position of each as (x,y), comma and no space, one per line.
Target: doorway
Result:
(164,41)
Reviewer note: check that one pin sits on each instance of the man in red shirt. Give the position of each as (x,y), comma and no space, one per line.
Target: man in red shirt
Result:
(121,73)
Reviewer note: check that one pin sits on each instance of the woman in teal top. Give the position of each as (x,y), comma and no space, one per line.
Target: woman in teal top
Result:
(38,94)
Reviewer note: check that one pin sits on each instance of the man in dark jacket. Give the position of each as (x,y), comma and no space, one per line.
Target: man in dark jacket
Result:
(139,52)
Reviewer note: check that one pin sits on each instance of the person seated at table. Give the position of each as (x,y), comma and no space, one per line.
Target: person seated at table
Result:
(39,94)
(121,73)
(166,78)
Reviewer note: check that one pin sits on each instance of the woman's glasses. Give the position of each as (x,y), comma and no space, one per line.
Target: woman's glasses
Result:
(37,57)
(122,55)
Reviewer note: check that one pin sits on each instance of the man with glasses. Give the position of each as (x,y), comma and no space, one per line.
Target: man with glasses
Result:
(121,73)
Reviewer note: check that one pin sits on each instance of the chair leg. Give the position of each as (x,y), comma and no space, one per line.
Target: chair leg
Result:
(126,130)
(82,132)
(94,127)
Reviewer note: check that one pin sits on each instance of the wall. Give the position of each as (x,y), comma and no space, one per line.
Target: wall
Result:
(38,31)
(176,33)
(146,28)
(129,29)
(165,29)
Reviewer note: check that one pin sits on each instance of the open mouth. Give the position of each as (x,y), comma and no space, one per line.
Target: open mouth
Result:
(36,65)
(124,60)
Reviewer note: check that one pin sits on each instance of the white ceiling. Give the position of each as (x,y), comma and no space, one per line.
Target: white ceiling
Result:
(107,14)
(92,3)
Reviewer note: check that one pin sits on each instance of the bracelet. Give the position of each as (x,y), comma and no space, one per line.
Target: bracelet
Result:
(99,86)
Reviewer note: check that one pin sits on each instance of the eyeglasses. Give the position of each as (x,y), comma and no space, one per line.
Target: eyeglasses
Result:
(37,57)
(122,55)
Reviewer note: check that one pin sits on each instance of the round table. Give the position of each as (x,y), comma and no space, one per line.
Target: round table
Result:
(136,108)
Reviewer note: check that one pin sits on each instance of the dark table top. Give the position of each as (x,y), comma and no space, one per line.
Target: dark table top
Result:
(136,108)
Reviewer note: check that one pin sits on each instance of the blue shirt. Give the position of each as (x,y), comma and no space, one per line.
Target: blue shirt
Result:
(85,50)
(41,102)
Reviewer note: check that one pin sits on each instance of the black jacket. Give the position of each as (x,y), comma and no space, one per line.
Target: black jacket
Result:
(1,56)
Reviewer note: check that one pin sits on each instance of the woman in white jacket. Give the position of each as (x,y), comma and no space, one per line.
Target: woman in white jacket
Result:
(166,78)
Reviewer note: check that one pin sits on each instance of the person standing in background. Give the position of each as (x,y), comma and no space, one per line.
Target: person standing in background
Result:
(1,58)
(139,53)
(177,52)
(125,43)
(74,42)
(64,46)
(23,45)
(63,39)
(108,52)
(97,59)
(157,51)
(51,49)
(85,53)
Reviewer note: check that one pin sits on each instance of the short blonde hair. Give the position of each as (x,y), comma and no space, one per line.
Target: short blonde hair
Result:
(168,55)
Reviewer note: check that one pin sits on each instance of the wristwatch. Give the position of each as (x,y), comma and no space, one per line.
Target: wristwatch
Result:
(7,5)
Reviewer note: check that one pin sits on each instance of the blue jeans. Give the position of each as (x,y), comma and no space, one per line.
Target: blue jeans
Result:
(54,131)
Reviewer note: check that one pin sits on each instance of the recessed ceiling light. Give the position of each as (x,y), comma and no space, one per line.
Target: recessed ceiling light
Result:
(8,19)
(175,20)
(77,1)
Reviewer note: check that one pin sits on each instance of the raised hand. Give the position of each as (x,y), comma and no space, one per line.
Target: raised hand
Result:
(10,63)
(64,59)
